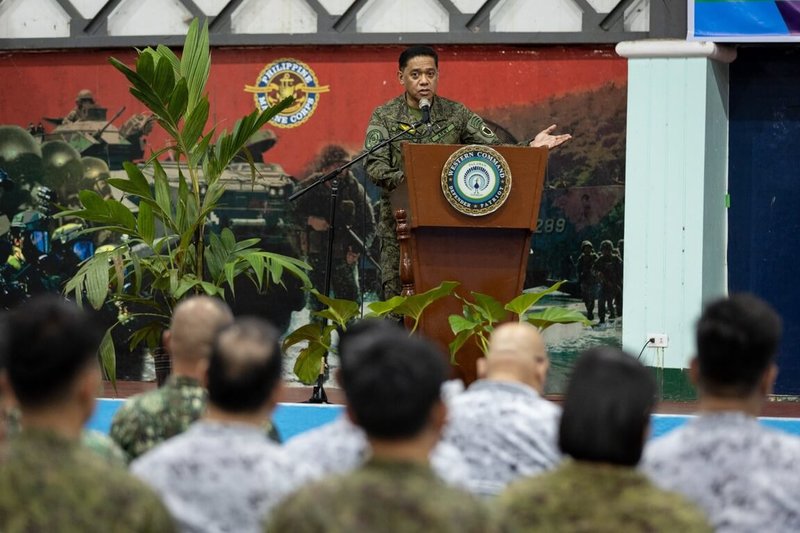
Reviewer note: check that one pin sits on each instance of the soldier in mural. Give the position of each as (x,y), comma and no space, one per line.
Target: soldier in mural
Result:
(355,226)
(83,102)
(619,252)
(451,123)
(586,279)
(608,270)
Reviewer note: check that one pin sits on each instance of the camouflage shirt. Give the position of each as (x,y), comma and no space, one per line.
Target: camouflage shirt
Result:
(147,419)
(341,446)
(382,495)
(505,431)
(589,497)
(745,476)
(219,476)
(49,483)
(451,123)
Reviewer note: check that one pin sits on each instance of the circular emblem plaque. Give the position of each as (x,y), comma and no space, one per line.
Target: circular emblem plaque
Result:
(476,180)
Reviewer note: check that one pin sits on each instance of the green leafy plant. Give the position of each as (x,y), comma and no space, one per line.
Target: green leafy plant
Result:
(480,316)
(340,313)
(166,249)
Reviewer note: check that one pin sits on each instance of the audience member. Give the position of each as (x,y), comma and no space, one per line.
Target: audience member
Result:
(603,429)
(223,473)
(147,419)
(392,384)
(501,424)
(744,475)
(48,480)
(341,446)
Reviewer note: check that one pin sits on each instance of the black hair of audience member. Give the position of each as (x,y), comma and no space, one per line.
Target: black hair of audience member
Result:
(49,342)
(361,333)
(393,384)
(245,365)
(737,340)
(416,51)
(607,408)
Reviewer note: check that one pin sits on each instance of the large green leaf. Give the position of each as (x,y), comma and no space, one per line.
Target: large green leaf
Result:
(556,315)
(339,311)
(145,223)
(164,81)
(416,304)
(108,357)
(195,122)
(178,100)
(196,62)
(145,67)
(522,303)
(97,280)
(308,364)
(491,309)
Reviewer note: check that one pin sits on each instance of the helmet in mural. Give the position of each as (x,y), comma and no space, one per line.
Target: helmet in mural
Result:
(606,245)
(584,244)
(84,95)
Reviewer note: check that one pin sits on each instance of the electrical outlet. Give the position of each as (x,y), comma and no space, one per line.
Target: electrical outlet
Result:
(660,340)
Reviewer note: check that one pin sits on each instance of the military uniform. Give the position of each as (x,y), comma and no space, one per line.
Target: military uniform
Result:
(586,279)
(451,123)
(353,213)
(341,446)
(745,476)
(608,269)
(49,483)
(148,419)
(504,431)
(383,495)
(597,498)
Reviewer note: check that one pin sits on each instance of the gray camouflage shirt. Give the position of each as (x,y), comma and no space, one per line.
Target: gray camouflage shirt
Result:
(341,446)
(504,431)
(745,476)
(219,477)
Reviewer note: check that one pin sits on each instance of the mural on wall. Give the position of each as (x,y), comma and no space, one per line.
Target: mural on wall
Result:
(68,123)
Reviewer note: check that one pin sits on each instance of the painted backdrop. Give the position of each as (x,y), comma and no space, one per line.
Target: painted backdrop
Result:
(517,90)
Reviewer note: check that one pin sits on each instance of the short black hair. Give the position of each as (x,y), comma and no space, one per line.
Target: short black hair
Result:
(245,366)
(737,340)
(393,384)
(607,408)
(416,51)
(362,333)
(49,342)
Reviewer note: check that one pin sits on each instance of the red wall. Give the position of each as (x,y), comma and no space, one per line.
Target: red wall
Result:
(485,78)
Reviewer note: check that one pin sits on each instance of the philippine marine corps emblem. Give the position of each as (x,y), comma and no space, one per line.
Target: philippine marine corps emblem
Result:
(283,78)
(476,180)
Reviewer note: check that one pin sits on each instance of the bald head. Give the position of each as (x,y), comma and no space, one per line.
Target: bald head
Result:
(517,353)
(195,323)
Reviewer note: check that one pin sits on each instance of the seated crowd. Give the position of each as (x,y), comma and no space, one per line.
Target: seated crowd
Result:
(203,457)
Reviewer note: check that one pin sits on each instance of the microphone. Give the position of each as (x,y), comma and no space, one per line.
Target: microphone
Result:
(425,107)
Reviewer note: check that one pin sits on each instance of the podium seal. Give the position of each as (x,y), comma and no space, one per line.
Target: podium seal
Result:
(476,180)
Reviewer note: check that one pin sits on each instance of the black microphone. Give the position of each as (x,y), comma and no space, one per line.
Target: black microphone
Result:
(425,107)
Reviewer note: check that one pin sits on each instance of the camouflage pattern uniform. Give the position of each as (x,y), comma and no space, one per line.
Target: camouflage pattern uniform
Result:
(451,123)
(589,497)
(608,270)
(383,495)
(148,419)
(49,483)
(586,278)
(353,213)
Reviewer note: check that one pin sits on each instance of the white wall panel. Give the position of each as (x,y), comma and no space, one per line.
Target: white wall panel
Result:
(392,16)
(149,17)
(274,16)
(21,19)
(527,16)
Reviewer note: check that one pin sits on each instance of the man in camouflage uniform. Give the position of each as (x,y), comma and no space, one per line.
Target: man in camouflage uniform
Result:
(396,400)
(48,480)
(83,102)
(354,216)
(608,270)
(586,279)
(450,123)
(148,419)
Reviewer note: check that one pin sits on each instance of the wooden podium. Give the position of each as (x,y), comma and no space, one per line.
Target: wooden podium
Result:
(487,254)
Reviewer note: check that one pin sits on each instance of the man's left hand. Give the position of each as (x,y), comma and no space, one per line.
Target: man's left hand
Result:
(548,140)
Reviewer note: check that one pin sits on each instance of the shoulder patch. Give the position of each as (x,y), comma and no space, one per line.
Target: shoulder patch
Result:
(475,123)
(375,134)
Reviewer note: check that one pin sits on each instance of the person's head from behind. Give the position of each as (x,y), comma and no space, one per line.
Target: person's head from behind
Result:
(392,383)
(606,411)
(517,353)
(418,72)
(737,341)
(244,371)
(360,334)
(194,325)
(51,358)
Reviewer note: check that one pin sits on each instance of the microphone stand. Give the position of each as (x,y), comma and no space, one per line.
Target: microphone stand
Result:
(318,394)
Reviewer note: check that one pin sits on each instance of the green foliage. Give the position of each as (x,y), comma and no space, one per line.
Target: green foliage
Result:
(165,250)
(318,336)
(478,318)
(412,306)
